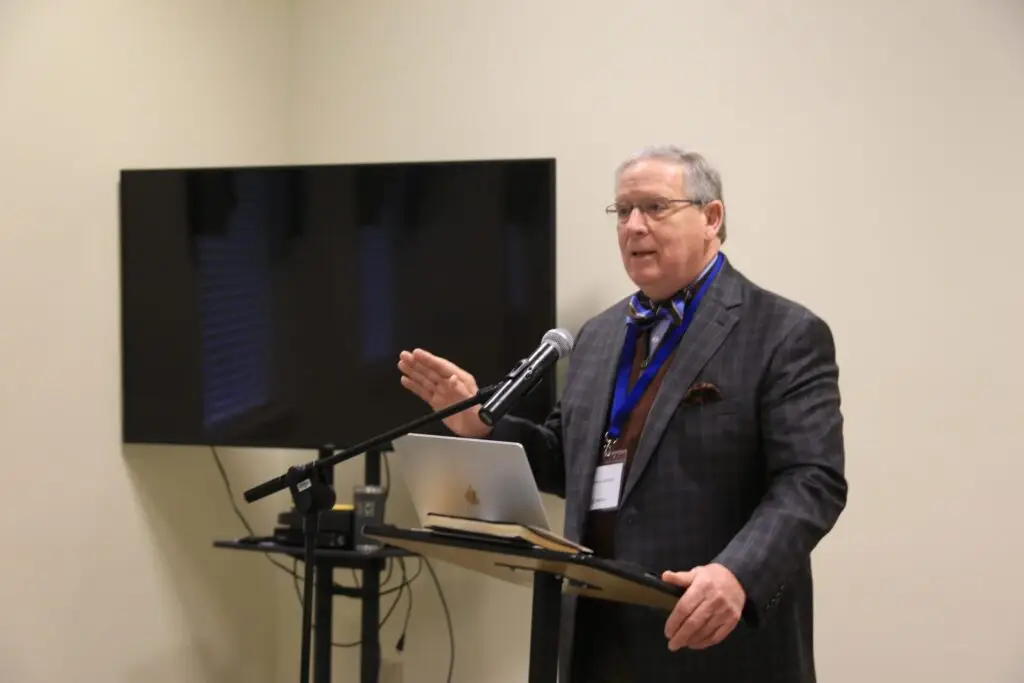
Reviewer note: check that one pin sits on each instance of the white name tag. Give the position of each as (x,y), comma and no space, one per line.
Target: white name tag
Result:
(607,485)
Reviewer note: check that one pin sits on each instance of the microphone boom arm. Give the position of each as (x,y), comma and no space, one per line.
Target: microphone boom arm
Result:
(283,481)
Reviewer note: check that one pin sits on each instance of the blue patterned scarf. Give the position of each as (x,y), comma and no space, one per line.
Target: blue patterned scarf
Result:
(644,311)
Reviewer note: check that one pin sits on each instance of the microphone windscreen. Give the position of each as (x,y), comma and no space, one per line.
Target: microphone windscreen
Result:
(562,340)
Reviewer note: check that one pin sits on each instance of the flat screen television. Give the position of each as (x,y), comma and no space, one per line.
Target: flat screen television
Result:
(267,306)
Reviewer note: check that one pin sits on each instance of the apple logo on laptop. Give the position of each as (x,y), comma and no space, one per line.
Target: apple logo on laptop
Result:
(471,496)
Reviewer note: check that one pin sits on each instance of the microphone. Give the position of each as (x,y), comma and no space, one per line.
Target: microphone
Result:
(555,345)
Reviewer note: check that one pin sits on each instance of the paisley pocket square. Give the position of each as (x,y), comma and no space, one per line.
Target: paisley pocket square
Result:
(702,393)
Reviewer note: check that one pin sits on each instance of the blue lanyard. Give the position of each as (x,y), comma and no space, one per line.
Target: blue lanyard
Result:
(625,400)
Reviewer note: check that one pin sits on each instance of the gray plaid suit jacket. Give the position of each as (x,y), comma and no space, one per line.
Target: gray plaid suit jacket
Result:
(752,481)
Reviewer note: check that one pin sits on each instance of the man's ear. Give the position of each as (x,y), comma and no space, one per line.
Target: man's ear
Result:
(714,213)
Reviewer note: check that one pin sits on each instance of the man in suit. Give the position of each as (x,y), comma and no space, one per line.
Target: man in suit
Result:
(699,434)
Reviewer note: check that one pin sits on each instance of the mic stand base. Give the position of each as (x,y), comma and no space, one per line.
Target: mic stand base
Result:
(312,495)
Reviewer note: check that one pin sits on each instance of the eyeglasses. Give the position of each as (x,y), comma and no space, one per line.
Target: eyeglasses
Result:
(651,208)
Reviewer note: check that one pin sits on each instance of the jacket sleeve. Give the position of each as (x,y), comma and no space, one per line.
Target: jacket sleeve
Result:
(802,440)
(543,445)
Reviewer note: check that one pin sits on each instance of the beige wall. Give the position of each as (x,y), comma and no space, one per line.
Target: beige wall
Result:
(107,570)
(870,153)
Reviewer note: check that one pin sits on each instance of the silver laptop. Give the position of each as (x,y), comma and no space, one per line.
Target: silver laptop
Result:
(478,478)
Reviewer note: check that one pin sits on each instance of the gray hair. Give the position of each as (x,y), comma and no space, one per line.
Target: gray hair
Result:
(703,183)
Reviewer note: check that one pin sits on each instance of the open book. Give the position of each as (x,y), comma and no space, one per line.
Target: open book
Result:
(503,531)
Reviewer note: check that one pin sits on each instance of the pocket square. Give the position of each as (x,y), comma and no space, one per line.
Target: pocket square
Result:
(702,393)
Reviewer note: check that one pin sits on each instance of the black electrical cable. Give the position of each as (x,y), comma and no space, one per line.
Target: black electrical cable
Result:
(405,585)
(448,618)
(437,584)
(400,645)
(238,513)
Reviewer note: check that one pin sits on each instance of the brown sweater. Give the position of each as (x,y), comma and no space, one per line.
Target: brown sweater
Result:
(599,533)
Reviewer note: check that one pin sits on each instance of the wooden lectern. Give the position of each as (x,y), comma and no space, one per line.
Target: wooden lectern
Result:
(550,573)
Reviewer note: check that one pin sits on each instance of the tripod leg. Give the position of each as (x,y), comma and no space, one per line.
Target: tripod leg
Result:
(544,627)
(310,524)
(369,663)
(324,611)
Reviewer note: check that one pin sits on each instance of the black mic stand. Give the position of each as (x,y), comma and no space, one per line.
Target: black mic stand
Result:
(312,494)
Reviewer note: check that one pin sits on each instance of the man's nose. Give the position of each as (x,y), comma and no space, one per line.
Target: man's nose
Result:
(635,222)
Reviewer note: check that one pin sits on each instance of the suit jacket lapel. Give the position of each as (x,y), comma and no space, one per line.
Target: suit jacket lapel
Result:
(587,443)
(711,325)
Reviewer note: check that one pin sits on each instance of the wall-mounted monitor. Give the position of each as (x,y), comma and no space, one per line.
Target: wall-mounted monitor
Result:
(266,306)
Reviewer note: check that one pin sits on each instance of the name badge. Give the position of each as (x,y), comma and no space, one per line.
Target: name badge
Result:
(608,479)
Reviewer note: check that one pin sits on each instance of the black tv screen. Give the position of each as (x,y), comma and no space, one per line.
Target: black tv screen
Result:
(267,306)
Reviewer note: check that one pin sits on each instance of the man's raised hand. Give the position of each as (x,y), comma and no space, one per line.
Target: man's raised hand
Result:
(441,383)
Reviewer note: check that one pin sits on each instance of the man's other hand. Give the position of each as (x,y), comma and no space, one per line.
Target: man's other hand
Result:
(709,609)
